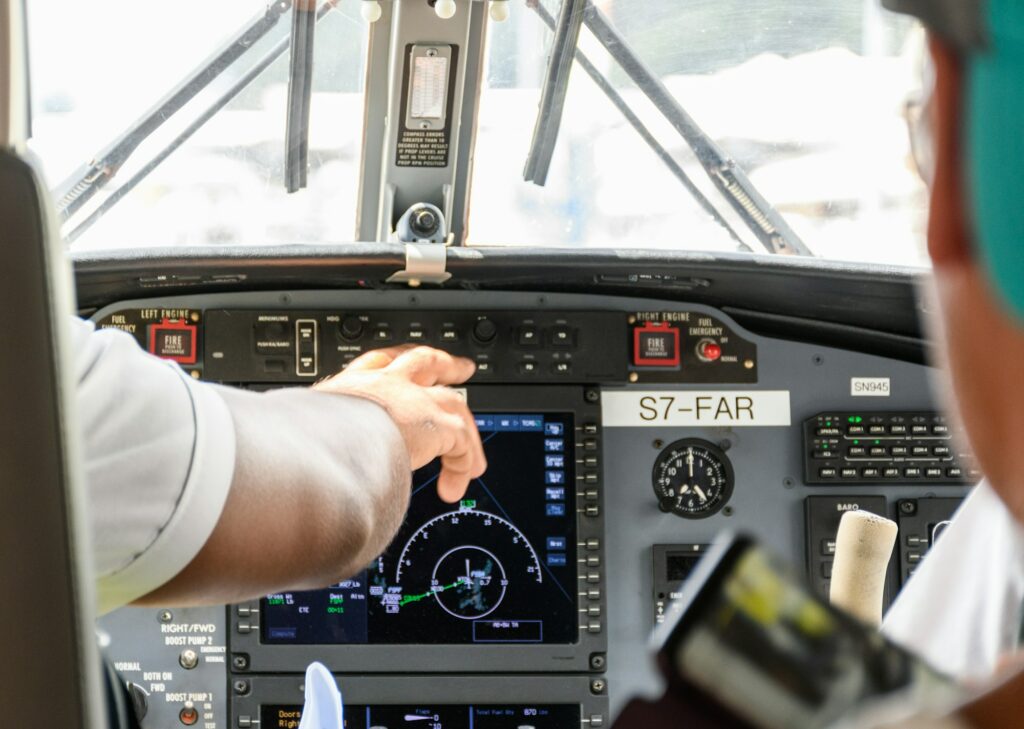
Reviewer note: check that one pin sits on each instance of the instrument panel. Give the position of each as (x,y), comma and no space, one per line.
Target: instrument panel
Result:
(622,435)
(509,579)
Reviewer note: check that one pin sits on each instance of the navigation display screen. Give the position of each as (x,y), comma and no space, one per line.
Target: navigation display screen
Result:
(559,716)
(499,567)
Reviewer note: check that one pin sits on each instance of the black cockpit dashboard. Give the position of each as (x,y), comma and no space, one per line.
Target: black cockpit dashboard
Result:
(790,390)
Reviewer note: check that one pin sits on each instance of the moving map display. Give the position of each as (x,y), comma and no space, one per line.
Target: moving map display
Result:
(498,567)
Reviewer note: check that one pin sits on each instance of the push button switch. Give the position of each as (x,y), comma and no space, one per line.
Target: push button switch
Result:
(306,348)
(656,345)
(173,339)
(484,368)
(529,336)
(528,367)
(273,337)
(563,336)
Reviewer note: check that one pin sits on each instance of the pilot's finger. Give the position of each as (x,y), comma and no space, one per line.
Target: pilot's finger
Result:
(427,366)
(479,458)
(455,402)
(456,470)
(465,459)
(377,359)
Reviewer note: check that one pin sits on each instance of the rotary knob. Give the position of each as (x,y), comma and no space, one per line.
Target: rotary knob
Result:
(484,331)
(351,328)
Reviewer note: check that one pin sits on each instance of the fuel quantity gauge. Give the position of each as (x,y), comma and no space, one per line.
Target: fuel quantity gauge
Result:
(692,478)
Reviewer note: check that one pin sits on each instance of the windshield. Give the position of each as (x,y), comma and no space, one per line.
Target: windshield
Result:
(808,98)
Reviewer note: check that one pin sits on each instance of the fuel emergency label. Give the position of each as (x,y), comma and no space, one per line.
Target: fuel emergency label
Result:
(660,408)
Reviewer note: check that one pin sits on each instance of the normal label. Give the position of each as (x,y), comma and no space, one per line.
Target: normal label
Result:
(660,408)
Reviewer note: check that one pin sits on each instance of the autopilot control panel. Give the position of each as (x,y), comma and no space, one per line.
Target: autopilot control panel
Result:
(622,435)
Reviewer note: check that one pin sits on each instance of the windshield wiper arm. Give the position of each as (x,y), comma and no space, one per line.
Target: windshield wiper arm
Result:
(767,224)
(201,119)
(645,134)
(79,188)
(556,85)
(300,92)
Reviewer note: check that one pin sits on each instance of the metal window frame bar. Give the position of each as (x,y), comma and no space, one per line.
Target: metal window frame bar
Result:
(14,95)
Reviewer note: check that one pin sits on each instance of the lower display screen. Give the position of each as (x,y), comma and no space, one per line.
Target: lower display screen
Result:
(499,567)
(435,717)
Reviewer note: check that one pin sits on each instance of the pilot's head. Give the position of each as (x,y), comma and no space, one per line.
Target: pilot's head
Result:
(976,224)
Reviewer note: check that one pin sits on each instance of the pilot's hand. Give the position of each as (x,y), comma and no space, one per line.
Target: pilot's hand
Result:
(434,420)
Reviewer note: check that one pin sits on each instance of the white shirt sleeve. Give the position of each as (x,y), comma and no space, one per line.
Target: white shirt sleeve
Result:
(961,611)
(159,455)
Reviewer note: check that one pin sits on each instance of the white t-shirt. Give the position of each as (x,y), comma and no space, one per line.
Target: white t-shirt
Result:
(159,454)
(961,610)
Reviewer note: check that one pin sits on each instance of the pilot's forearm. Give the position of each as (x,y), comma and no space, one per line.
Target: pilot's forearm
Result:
(321,484)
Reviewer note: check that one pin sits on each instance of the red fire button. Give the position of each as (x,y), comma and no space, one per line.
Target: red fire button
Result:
(173,339)
(656,344)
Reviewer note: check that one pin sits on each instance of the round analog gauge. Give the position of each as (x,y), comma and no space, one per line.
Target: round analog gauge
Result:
(692,479)
(471,557)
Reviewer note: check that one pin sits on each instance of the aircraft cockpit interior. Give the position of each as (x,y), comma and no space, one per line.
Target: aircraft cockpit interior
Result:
(679,245)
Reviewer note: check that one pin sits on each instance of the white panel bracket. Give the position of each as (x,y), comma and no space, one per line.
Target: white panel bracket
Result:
(424,263)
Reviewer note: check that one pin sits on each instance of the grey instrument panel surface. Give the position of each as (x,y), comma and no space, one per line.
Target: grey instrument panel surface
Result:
(769,493)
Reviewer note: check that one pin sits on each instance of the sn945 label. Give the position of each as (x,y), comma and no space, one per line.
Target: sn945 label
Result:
(732,409)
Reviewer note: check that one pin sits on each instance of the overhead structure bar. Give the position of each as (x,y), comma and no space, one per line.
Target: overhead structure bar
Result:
(424,75)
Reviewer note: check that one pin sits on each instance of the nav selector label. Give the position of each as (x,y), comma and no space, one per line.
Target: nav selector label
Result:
(732,408)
